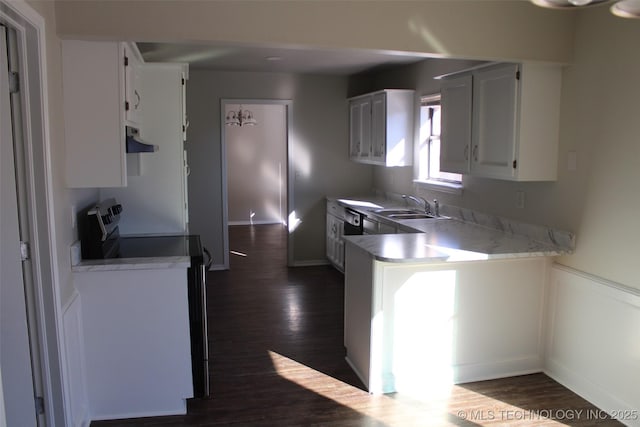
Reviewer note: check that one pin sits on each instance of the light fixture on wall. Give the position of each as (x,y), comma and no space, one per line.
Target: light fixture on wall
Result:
(622,8)
(240,117)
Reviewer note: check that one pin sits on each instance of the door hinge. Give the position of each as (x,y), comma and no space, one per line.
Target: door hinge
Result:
(515,164)
(25,251)
(183,82)
(126,61)
(14,82)
(518,75)
(126,105)
(39,405)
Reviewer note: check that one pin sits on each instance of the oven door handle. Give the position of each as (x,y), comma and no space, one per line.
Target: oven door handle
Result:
(207,265)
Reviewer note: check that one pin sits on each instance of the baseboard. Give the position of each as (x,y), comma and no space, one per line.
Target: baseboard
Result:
(494,370)
(310,263)
(180,409)
(624,412)
(260,222)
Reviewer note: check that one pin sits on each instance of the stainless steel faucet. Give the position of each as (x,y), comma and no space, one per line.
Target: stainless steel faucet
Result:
(419,201)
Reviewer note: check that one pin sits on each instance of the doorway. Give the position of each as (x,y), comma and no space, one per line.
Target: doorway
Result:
(256,153)
(27,215)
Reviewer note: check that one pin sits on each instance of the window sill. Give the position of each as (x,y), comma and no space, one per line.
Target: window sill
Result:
(441,186)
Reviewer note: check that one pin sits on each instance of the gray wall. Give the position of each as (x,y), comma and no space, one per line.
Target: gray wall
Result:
(257,166)
(320,153)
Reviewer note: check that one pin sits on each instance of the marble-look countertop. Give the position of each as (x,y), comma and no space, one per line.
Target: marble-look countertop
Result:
(119,264)
(469,236)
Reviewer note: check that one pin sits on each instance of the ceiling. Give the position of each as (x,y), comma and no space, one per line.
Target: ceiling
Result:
(274,59)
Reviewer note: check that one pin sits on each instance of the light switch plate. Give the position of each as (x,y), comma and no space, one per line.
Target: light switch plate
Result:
(76,253)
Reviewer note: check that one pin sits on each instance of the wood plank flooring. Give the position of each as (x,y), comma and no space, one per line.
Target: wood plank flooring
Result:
(278,359)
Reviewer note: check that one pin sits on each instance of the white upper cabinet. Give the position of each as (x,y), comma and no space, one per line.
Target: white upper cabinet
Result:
(360,128)
(381,127)
(502,121)
(94,79)
(456,124)
(133,85)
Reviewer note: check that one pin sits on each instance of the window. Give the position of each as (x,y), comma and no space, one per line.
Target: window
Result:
(428,151)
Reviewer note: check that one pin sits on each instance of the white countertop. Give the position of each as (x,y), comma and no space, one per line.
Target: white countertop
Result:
(118,264)
(455,239)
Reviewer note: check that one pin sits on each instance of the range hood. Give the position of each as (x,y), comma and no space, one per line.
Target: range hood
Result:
(135,145)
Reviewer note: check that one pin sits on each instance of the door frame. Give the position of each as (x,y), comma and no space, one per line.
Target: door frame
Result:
(32,47)
(290,168)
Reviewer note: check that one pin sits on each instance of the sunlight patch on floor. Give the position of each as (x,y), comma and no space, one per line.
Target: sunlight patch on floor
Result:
(398,409)
(237,253)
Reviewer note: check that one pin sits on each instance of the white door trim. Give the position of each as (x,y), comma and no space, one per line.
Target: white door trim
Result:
(30,27)
(290,170)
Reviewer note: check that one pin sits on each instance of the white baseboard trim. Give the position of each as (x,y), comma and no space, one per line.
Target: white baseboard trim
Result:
(179,409)
(260,222)
(494,370)
(593,393)
(310,263)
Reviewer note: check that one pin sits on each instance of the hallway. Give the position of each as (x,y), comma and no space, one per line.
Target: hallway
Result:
(277,359)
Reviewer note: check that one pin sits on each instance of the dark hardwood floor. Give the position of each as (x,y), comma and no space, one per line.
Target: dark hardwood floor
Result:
(278,359)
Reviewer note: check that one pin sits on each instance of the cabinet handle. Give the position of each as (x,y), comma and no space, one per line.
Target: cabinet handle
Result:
(475,153)
(135,92)
(466,152)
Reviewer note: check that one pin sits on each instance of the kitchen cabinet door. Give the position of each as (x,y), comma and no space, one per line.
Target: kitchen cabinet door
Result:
(510,113)
(381,127)
(360,128)
(456,124)
(495,95)
(93,78)
(133,85)
(334,242)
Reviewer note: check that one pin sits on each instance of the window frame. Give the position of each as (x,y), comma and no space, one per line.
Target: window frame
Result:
(435,184)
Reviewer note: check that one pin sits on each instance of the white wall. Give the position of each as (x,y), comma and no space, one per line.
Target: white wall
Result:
(257,166)
(599,121)
(442,28)
(319,140)
(154,200)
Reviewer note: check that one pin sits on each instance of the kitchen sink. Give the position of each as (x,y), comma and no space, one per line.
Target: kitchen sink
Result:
(391,212)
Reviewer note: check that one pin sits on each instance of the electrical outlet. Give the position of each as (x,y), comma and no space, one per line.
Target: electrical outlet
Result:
(520,199)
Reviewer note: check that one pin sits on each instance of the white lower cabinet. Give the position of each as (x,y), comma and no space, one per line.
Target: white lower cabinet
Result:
(334,242)
(136,342)
(502,121)
(418,328)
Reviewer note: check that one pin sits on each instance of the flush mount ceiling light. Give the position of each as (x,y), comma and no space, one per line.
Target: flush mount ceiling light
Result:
(622,8)
(626,9)
(240,118)
(567,4)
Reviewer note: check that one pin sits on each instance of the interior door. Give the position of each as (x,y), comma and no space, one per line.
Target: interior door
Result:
(15,358)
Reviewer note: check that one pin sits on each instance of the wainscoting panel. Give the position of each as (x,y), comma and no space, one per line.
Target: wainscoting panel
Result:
(78,407)
(593,341)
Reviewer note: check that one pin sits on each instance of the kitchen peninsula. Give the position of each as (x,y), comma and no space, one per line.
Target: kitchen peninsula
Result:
(450,300)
